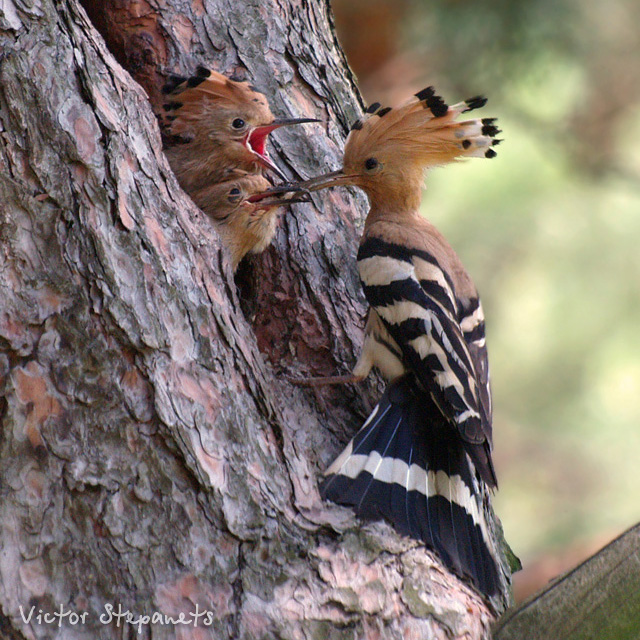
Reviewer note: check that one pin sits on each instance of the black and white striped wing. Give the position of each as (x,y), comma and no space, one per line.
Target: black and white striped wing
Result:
(415,299)
(471,318)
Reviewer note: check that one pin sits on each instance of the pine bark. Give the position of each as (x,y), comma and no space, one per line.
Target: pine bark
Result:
(153,455)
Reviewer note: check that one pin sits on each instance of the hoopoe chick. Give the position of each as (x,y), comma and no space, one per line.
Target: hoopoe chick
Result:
(245,212)
(422,460)
(224,126)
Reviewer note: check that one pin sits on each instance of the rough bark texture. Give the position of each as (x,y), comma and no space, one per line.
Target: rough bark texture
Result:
(152,455)
(598,600)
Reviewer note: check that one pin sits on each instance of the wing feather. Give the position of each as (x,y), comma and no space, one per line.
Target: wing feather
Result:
(441,343)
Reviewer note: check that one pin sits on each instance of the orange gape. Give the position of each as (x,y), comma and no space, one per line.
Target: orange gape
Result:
(220,129)
(422,460)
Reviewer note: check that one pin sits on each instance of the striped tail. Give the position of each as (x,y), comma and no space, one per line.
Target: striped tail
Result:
(407,465)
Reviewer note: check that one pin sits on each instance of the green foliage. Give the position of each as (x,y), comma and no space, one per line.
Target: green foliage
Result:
(482,43)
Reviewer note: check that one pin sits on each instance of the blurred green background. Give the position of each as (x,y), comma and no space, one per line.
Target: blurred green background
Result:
(549,231)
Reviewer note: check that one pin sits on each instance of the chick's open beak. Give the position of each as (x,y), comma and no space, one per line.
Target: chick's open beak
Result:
(256,140)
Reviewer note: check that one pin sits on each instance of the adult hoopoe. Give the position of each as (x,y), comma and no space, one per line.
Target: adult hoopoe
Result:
(245,211)
(223,125)
(422,460)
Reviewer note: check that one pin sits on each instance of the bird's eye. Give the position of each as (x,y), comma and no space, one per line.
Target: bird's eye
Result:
(371,164)
(235,195)
(238,123)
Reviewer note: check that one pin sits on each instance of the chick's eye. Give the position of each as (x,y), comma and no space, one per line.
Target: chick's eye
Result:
(370,164)
(234,194)
(238,123)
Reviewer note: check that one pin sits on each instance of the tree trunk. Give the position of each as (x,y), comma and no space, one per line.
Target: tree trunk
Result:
(154,458)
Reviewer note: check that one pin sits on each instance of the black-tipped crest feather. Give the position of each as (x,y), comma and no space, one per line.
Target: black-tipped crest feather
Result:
(372,108)
(476,102)
(425,93)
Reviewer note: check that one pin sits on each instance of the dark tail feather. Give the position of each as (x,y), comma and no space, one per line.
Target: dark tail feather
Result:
(408,466)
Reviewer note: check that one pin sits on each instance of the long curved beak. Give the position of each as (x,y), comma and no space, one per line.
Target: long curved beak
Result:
(264,130)
(331,179)
(280,195)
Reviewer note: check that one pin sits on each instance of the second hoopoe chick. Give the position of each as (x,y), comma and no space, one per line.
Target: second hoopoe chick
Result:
(223,126)
(422,460)
(245,211)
